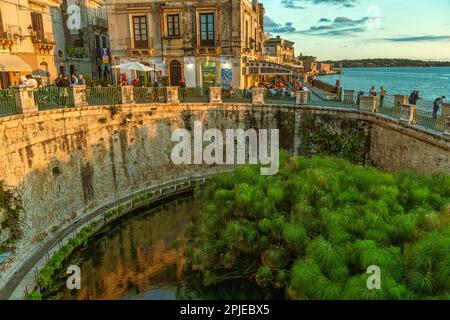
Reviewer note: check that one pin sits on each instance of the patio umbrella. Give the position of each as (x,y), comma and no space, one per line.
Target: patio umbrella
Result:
(133,66)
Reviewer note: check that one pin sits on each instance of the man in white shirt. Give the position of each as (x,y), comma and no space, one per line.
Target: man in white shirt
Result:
(31,82)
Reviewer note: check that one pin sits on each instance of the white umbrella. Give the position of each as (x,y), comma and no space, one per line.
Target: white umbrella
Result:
(133,66)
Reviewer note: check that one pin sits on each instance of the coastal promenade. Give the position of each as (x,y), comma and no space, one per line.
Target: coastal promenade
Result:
(24,100)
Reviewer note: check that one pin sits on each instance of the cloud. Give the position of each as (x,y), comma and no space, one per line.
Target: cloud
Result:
(426,38)
(324,20)
(302,4)
(274,27)
(341,26)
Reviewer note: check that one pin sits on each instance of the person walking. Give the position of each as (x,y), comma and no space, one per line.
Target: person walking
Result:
(437,105)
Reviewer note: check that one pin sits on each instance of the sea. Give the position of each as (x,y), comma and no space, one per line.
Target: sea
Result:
(432,82)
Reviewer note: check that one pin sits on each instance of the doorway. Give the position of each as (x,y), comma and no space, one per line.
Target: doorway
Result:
(175,73)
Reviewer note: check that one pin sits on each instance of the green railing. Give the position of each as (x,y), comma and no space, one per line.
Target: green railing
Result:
(100,96)
(150,95)
(428,120)
(7,102)
(48,98)
(193,94)
(236,95)
(279,96)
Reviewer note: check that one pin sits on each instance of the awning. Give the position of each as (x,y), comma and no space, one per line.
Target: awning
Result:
(12,63)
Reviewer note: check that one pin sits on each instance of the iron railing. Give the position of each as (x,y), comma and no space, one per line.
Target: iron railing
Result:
(236,95)
(100,96)
(48,98)
(197,94)
(7,102)
(282,96)
(150,94)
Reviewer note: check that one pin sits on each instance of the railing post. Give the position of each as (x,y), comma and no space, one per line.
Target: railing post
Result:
(215,95)
(172,95)
(24,97)
(127,94)
(399,100)
(446,109)
(77,96)
(301,98)
(447,126)
(407,113)
(258,96)
(349,96)
(368,103)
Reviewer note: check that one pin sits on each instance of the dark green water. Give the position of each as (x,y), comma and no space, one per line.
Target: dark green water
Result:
(137,259)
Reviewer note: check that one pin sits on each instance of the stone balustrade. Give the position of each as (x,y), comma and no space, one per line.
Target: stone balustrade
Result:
(368,104)
(172,95)
(446,109)
(215,95)
(24,96)
(301,97)
(258,96)
(78,96)
(127,94)
(407,112)
(399,100)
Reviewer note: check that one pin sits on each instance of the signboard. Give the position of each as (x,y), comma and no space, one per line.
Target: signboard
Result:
(227,77)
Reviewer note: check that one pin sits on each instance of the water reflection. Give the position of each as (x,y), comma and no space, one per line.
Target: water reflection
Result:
(122,263)
(137,259)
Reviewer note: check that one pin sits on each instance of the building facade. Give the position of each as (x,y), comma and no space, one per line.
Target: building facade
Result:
(82,39)
(206,43)
(27,41)
(280,51)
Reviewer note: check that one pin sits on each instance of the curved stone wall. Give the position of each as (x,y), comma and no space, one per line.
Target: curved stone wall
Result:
(64,163)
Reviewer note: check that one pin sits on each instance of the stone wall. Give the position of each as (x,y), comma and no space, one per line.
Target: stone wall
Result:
(64,163)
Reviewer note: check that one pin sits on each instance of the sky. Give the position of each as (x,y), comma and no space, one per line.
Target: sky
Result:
(355,29)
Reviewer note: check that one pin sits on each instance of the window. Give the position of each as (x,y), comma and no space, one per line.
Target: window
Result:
(140,32)
(173,25)
(104,42)
(38,26)
(207,30)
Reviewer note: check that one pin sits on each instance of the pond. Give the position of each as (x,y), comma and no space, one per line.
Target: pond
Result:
(142,258)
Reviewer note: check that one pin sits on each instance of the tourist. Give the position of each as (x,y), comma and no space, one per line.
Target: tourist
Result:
(156,84)
(437,105)
(182,83)
(135,82)
(123,80)
(59,80)
(31,82)
(383,93)
(358,98)
(336,87)
(373,92)
(81,80)
(73,80)
(65,81)
(414,97)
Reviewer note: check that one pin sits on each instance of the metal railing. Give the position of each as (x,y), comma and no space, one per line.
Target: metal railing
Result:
(150,94)
(7,102)
(47,98)
(237,95)
(100,96)
(275,96)
(197,94)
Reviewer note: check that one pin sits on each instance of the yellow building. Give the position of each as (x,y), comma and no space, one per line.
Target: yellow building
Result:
(26,41)
(206,43)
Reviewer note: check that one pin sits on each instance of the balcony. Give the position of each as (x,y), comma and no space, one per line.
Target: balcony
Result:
(206,51)
(98,23)
(6,40)
(43,42)
(134,48)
